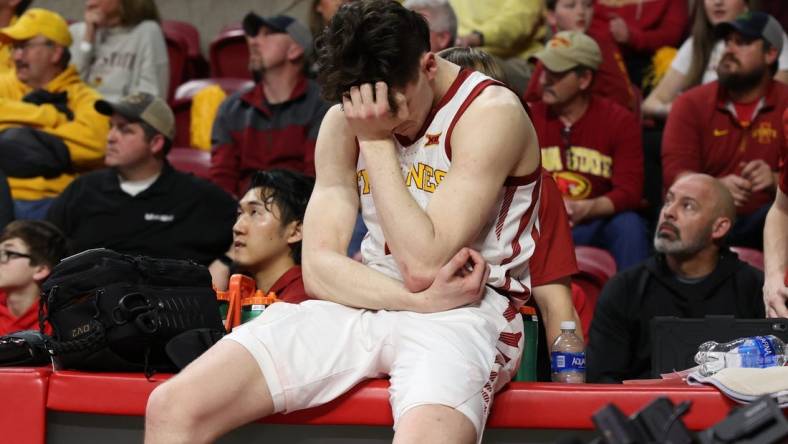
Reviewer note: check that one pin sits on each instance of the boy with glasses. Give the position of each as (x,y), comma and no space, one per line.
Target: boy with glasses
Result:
(29,249)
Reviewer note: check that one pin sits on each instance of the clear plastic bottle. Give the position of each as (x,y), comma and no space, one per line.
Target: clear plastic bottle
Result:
(749,352)
(567,356)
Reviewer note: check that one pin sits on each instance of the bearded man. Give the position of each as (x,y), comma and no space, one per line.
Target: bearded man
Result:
(731,128)
(692,274)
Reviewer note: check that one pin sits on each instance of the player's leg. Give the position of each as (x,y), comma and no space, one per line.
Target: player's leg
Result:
(436,424)
(221,390)
(447,368)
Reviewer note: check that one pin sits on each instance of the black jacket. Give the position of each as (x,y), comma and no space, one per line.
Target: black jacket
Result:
(619,345)
(179,216)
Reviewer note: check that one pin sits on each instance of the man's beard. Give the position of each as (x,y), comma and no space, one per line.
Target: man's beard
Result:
(678,246)
(740,81)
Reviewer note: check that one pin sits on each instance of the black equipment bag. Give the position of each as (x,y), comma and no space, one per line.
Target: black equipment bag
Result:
(116,312)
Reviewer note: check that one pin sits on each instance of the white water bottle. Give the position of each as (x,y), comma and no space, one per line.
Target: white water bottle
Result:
(749,352)
(567,356)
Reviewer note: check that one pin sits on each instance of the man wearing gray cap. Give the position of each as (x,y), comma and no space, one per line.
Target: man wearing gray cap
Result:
(731,128)
(592,146)
(274,123)
(140,204)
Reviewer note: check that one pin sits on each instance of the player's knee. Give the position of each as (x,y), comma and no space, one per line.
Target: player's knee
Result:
(167,408)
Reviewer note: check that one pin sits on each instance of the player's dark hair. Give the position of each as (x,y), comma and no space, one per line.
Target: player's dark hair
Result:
(370,41)
(290,192)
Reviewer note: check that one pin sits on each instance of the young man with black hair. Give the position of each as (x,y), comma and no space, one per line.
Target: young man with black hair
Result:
(268,231)
(444,164)
(140,204)
(29,249)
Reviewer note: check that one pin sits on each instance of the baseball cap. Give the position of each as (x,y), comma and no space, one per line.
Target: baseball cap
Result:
(755,25)
(569,49)
(37,21)
(280,23)
(143,107)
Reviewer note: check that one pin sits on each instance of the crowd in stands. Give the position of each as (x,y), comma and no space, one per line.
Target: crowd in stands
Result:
(87,124)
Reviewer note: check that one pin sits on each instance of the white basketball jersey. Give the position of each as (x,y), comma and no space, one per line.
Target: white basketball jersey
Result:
(506,242)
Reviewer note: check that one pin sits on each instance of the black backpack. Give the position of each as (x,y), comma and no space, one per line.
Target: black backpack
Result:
(117,312)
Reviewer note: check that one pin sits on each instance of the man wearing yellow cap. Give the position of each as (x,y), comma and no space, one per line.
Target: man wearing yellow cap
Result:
(592,146)
(49,129)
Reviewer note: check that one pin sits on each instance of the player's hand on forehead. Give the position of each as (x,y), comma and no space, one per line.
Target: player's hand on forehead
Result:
(369,112)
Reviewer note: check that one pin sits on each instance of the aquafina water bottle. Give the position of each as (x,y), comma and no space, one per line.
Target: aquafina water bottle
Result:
(749,352)
(567,356)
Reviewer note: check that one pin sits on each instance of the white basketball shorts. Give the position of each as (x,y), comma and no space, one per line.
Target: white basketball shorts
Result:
(310,353)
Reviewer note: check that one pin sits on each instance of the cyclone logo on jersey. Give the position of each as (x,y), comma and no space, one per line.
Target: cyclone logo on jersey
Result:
(572,185)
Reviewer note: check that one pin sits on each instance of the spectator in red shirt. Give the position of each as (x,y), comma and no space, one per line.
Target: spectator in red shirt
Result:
(611,79)
(592,146)
(731,128)
(274,123)
(641,27)
(267,234)
(29,249)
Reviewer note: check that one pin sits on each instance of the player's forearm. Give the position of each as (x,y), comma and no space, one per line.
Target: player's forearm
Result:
(409,232)
(334,277)
(775,246)
(555,304)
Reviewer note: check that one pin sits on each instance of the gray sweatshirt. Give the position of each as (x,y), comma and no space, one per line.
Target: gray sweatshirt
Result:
(123,60)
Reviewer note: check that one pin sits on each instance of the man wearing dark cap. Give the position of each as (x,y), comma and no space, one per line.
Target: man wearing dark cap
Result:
(592,146)
(731,128)
(140,204)
(274,123)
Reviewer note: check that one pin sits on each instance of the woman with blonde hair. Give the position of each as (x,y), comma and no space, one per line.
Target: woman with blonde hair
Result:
(119,48)
(697,59)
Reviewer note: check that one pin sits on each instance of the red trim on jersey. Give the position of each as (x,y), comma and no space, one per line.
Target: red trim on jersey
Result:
(516,181)
(386,250)
(506,203)
(510,339)
(453,88)
(465,104)
(516,248)
(510,313)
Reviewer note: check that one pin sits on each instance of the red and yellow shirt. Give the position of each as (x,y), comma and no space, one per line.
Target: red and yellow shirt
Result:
(703,134)
(599,155)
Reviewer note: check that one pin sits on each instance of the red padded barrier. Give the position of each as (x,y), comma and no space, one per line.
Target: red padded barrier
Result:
(23,404)
(519,405)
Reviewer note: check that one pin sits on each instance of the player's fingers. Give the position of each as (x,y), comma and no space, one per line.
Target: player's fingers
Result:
(347,105)
(355,96)
(456,263)
(366,94)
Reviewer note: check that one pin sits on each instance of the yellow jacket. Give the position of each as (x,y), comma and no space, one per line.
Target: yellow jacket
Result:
(85,135)
(511,28)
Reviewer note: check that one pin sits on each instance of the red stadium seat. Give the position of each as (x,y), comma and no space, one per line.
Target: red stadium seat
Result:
(190,160)
(177,53)
(596,262)
(595,266)
(229,54)
(181,104)
(196,65)
(750,255)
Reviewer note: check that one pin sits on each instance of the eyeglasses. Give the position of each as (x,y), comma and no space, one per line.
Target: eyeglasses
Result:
(7,255)
(26,45)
